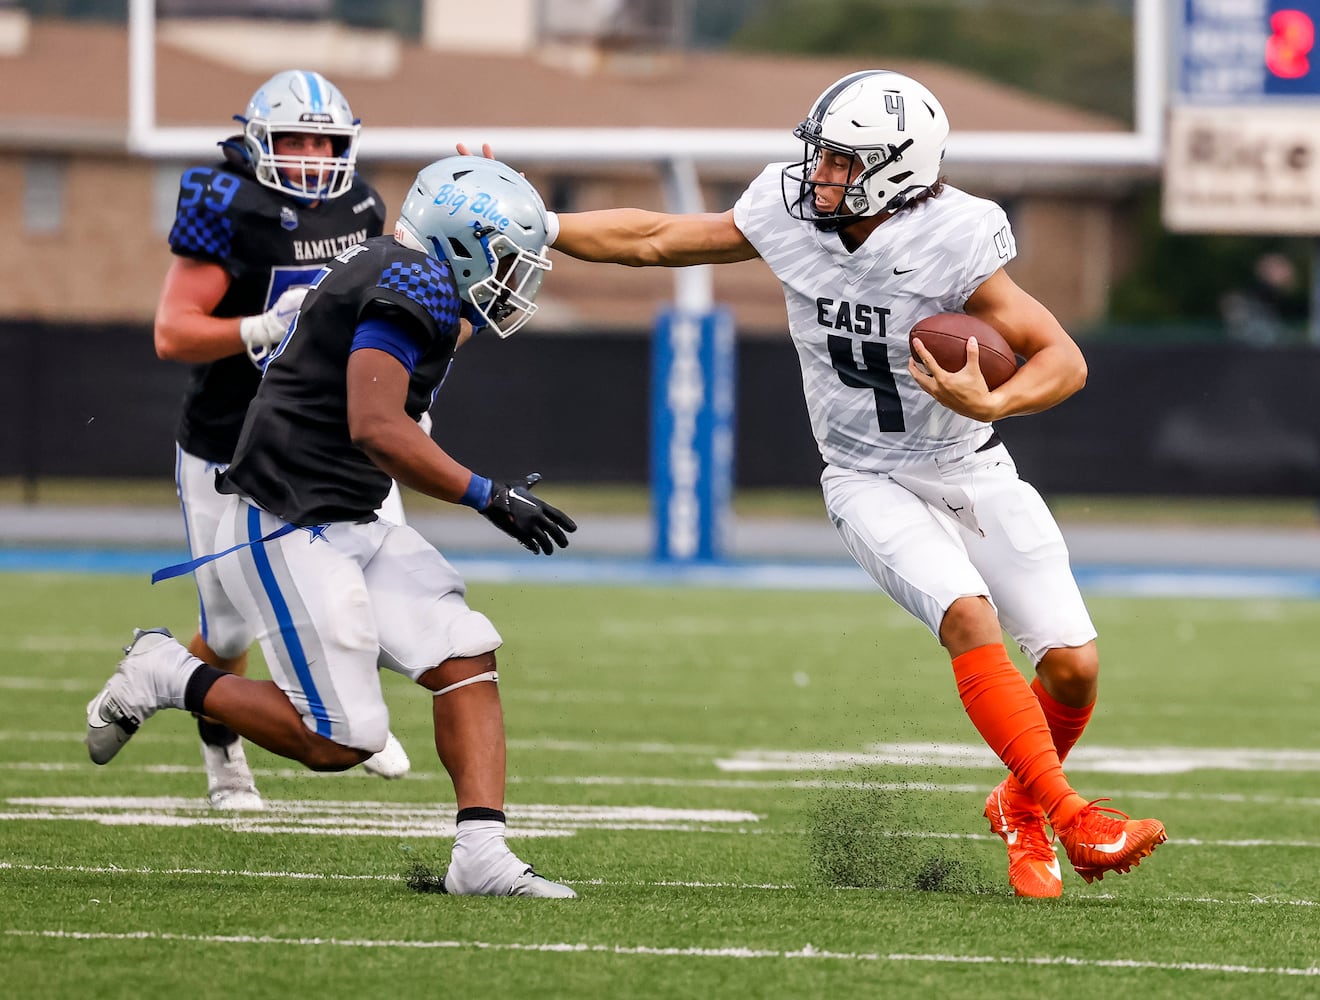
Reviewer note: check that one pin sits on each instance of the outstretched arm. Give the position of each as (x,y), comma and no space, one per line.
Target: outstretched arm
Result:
(641,239)
(399,446)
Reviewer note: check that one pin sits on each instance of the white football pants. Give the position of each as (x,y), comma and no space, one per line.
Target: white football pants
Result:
(219,623)
(963,527)
(334,602)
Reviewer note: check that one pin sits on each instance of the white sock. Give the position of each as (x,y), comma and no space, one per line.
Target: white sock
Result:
(481,862)
(173,665)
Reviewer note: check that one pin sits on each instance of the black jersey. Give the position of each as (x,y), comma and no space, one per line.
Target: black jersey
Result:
(268,243)
(295,457)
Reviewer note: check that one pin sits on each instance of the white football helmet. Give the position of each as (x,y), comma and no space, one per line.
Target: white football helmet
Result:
(302,102)
(893,126)
(485,221)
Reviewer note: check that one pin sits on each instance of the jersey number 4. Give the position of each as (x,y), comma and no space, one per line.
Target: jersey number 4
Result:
(873,373)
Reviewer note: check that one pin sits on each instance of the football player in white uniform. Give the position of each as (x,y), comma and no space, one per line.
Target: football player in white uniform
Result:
(867,239)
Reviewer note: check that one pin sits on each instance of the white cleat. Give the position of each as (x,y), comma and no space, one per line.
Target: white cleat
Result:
(128,698)
(229,782)
(528,883)
(392,762)
(531,884)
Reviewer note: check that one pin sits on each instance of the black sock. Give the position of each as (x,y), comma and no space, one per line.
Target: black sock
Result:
(480,812)
(199,685)
(216,734)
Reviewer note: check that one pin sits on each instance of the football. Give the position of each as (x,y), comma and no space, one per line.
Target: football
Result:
(945,336)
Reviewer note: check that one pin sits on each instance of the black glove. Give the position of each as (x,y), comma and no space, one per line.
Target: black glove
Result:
(515,511)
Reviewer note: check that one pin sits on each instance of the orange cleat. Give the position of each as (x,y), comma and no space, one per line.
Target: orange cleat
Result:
(1101,839)
(1033,867)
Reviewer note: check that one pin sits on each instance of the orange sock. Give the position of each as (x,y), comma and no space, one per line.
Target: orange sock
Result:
(1066,727)
(1066,722)
(1011,721)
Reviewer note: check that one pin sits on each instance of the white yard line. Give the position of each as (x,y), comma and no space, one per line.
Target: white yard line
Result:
(971,756)
(41,684)
(107,647)
(806,952)
(73,735)
(1099,759)
(206,872)
(1251,900)
(655,781)
(416,820)
(364,819)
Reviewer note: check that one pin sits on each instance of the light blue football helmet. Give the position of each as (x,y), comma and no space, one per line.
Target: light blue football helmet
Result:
(484,220)
(302,102)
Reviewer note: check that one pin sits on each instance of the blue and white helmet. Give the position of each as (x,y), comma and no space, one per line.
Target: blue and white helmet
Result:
(484,220)
(895,128)
(301,102)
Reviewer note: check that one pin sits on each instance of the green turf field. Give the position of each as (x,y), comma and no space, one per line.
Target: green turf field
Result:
(757,794)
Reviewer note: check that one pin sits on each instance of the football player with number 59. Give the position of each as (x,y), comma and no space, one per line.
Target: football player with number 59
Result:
(867,240)
(249,234)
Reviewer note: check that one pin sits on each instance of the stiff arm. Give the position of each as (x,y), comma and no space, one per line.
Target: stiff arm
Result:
(639,238)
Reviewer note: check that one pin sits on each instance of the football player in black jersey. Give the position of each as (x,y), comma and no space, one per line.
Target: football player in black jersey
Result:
(333,591)
(249,234)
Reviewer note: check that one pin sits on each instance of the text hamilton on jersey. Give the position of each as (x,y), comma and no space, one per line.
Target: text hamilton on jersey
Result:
(320,250)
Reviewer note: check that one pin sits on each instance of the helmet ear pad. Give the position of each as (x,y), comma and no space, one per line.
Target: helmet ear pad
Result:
(464,264)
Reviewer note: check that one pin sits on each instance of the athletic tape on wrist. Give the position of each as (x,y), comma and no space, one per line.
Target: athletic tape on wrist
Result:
(551,228)
(477,494)
(489,675)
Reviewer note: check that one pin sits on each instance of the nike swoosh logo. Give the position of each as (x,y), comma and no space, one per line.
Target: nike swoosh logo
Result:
(1053,869)
(1113,848)
(1010,837)
(529,503)
(908,271)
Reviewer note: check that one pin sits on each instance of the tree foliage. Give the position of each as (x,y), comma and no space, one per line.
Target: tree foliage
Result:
(1075,52)
(1186,277)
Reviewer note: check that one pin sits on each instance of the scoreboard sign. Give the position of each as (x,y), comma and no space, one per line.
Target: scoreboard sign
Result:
(1245,51)
(1243,148)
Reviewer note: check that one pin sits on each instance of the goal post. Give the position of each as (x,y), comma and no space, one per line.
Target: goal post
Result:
(731,145)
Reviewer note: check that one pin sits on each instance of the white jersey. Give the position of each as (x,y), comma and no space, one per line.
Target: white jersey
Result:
(849,315)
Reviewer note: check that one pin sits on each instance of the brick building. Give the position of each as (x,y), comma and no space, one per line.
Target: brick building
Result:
(83,222)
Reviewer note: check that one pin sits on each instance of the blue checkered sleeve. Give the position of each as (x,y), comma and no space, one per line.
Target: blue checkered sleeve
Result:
(201,231)
(426,282)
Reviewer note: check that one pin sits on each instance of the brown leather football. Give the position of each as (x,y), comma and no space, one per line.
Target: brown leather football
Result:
(945,336)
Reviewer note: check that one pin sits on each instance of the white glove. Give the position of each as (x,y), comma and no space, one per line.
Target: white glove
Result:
(262,333)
